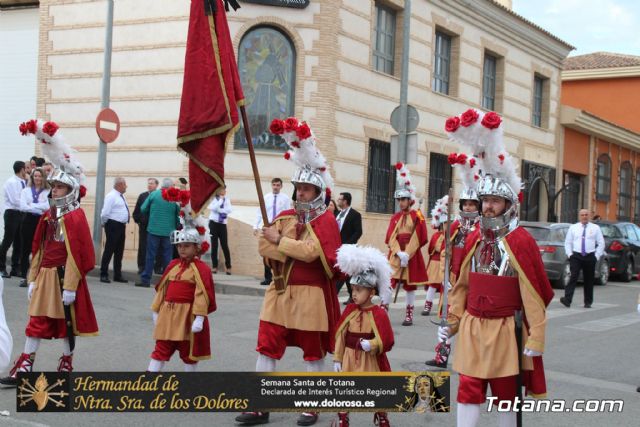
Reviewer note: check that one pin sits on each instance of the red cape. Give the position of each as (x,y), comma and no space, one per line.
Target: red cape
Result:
(80,250)
(383,331)
(417,267)
(200,342)
(526,251)
(325,229)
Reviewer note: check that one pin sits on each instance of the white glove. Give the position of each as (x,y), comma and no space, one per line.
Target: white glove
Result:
(32,286)
(196,326)
(68,297)
(638,307)
(531,353)
(404,258)
(365,344)
(155,317)
(444,332)
(337,366)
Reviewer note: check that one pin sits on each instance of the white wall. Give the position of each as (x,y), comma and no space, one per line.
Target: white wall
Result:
(18,86)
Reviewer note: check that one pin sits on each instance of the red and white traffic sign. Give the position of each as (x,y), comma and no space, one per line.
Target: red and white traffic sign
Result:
(107,125)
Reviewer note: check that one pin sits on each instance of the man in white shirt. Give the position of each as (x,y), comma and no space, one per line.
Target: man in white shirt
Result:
(275,202)
(584,245)
(114,216)
(220,208)
(12,219)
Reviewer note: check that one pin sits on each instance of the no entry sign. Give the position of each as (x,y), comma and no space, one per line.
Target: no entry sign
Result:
(107,125)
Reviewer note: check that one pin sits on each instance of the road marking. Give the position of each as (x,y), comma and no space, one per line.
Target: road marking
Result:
(562,311)
(590,382)
(608,323)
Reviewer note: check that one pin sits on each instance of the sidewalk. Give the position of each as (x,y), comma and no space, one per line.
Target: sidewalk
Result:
(232,284)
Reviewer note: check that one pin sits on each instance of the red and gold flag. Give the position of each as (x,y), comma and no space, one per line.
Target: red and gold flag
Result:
(211,95)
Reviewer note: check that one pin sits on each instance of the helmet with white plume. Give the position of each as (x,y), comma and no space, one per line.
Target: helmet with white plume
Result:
(367,267)
(404,186)
(192,228)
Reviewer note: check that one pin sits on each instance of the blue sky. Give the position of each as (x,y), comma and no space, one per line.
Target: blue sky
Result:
(589,25)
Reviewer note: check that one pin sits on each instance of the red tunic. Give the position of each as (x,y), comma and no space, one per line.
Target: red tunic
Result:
(79,257)
(417,274)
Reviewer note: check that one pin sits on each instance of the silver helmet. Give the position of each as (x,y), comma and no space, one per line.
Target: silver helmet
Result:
(71,198)
(307,175)
(493,186)
(186,235)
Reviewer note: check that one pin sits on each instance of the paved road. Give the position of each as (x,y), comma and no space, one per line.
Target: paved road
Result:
(590,354)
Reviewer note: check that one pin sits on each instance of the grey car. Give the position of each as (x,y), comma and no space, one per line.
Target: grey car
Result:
(550,238)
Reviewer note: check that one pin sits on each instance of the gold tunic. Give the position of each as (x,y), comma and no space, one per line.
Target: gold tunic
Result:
(402,227)
(358,360)
(487,348)
(300,307)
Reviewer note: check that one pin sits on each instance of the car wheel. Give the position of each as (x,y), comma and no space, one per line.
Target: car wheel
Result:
(628,271)
(563,281)
(603,277)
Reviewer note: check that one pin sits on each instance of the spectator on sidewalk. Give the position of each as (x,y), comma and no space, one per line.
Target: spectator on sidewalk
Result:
(34,202)
(142,221)
(350,225)
(220,208)
(584,245)
(47,167)
(114,216)
(333,207)
(163,219)
(275,202)
(12,219)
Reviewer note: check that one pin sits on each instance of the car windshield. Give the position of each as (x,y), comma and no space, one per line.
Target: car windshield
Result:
(609,230)
(539,233)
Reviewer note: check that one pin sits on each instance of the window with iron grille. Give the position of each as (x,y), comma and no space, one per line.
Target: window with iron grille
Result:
(637,209)
(624,192)
(603,178)
(489,82)
(538,83)
(384,39)
(380,178)
(439,178)
(442,63)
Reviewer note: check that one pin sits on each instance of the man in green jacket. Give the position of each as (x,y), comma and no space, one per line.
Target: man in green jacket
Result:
(163,219)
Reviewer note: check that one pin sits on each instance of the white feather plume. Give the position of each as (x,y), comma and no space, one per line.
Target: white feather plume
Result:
(355,259)
(440,211)
(403,179)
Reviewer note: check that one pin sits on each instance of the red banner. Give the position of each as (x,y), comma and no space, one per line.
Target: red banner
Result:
(211,95)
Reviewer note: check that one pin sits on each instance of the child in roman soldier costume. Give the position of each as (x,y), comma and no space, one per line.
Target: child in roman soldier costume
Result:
(300,307)
(463,231)
(406,235)
(501,280)
(185,294)
(364,334)
(435,267)
(62,254)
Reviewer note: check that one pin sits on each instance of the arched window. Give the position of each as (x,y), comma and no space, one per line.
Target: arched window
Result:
(624,192)
(266,63)
(603,180)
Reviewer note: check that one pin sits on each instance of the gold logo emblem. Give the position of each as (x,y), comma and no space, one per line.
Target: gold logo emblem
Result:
(42,393)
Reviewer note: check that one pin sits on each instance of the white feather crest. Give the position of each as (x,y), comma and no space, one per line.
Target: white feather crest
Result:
(440,211)
(355,259)
(403,179)
(484,136)
(305,153)
(54,148)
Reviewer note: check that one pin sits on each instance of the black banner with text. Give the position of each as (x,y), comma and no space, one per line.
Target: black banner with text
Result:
(233,392)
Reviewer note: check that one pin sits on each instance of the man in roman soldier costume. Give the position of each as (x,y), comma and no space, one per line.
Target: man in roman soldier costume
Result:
(501,281)
(406,235)
(364,334)
(435,269)
(59,302)
(300,307)
(463,231)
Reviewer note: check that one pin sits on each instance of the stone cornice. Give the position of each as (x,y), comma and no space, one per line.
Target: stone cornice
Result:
(585,122)
(511,29)
(601,73)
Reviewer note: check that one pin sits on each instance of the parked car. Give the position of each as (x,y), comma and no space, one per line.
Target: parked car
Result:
(550,238)
(622,241)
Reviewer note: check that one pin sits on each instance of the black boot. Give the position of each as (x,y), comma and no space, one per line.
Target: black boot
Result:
(253,418)
(307,418)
